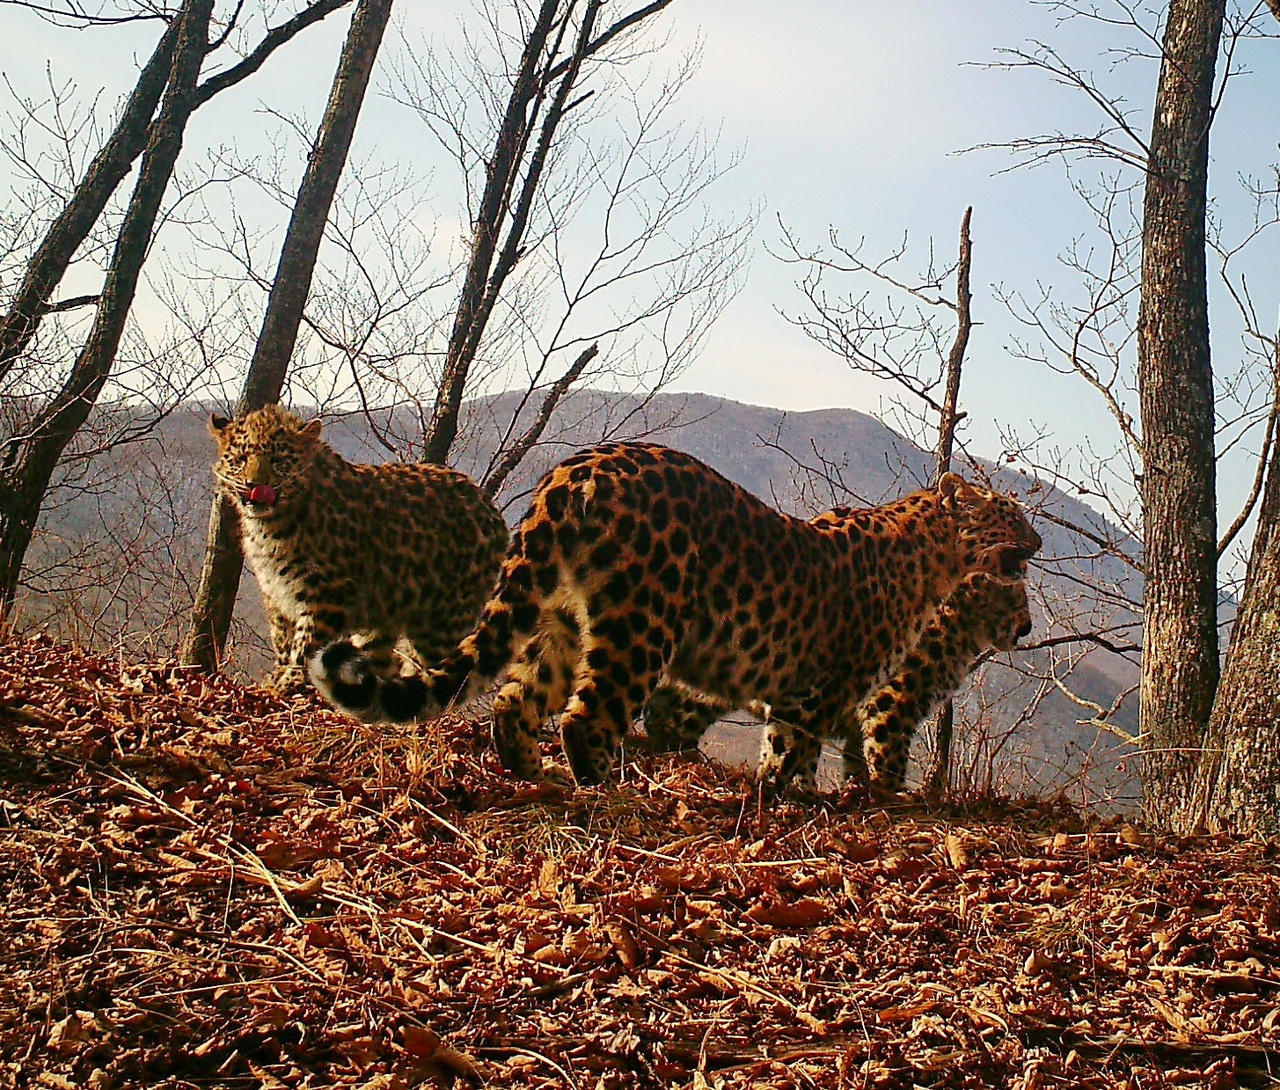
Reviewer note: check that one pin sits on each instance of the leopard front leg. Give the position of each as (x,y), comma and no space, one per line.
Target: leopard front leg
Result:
(887,724)
(794,733)
(315,629)
(281,628)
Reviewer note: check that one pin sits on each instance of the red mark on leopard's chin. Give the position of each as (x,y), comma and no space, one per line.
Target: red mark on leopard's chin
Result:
(262,495)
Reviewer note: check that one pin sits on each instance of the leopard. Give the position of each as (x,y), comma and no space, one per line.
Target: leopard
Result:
(983,613)
(637,563)
(392,555)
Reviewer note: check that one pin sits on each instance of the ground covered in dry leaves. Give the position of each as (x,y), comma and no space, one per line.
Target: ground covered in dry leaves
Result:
(204,885)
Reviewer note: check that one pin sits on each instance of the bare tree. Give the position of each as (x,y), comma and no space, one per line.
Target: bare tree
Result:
(542,92)
(1175,380)
(215,598)
(47,266)
(28,461)
(905,345)
(1197,733)
(39,427)
(939,774)
(1235,781)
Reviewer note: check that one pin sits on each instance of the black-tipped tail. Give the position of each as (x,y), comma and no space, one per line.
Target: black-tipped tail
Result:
(342,675)
(403,699)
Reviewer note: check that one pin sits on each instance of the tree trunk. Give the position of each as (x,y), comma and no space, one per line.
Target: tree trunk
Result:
(1180,643)
(939,774)
(84,209)
(27,461)
(220,578)
(1236,790)
(506,206)
(500,175)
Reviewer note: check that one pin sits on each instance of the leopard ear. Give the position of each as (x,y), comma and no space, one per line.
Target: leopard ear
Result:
(953,489)
(217,424)
(311,429)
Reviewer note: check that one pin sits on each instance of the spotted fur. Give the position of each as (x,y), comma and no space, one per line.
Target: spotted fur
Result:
(637,563)
(981,614)
(390,551)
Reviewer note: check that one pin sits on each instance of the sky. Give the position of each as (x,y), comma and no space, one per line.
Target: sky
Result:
(850,115)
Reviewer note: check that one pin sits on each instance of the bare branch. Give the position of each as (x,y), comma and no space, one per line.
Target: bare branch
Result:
(515,455)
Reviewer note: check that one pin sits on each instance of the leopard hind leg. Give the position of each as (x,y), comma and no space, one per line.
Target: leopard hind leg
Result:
(676,716)
(620,672)
(539,681)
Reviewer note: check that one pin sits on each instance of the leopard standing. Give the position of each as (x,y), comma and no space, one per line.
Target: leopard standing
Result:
(637,563)
(395,551)
(982,613)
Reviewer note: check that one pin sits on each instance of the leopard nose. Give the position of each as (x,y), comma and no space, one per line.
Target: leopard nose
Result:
(257,470)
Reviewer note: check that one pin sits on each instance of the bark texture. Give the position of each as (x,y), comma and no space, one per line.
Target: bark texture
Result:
(1180,643)
(223,563)
(938,775)
(1239,775)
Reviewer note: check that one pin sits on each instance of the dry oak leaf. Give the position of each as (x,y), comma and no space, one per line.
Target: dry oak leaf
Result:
(73,1032)
(957,851)
(624,942)
(805,912)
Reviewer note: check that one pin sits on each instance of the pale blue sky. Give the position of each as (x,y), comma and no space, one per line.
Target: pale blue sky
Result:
(849,113)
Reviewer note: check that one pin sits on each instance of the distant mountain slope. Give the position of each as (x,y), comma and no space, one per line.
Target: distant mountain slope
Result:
(133,543)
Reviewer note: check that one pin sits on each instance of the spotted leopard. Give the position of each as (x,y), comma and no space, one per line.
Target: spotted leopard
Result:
(389,551)
(983,613)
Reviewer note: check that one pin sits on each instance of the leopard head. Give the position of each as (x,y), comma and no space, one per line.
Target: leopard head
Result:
(993,533)
(998,609)
(262,459)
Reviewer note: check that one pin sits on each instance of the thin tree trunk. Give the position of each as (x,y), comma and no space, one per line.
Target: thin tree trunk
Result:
(500,175)
(220,578)
(27,461)
(938,776)
(1175,379)
(1238,773)
(84,209)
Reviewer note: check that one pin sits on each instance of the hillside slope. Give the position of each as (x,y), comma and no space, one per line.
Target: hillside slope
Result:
(203,885)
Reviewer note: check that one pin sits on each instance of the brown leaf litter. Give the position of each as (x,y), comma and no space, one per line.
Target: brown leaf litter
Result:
(207,886)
